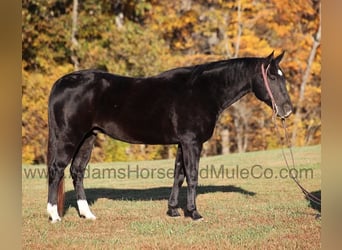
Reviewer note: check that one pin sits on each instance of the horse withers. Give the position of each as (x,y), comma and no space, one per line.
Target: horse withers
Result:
(179,106)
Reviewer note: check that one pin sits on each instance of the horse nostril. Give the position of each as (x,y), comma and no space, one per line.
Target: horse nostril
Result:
(287,109)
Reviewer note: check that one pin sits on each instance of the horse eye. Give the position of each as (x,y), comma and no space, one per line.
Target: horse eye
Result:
(272,77)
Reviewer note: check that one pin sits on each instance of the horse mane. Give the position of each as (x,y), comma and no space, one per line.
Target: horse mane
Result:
(227,66)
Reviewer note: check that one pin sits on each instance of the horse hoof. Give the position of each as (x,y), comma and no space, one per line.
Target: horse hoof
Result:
(55,220)
(88,216)
(173,212)
(194,215)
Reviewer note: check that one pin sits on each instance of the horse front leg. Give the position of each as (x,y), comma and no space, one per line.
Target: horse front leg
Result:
(177,184)
(191,156)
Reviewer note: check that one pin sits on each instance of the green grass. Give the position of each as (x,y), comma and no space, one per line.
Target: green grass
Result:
(239,211)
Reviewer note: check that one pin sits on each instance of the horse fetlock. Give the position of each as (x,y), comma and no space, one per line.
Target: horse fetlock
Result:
(84,210)
(53,213)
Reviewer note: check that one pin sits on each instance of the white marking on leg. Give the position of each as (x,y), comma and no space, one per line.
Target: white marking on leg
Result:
(84,210)
(53,213)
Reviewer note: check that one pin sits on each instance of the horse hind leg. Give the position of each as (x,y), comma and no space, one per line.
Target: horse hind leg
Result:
(59,155)
(77,171)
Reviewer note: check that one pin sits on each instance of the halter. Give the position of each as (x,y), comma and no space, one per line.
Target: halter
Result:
(307,194)
(267,85)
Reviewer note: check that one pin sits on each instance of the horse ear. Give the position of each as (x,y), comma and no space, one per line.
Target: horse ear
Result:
(269,58)
(278,58)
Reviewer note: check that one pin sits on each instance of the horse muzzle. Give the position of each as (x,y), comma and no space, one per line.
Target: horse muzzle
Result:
(284,110)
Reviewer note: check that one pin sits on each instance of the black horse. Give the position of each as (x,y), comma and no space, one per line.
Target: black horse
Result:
(179,106)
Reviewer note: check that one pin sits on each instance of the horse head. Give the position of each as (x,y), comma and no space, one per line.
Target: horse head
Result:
(271,87)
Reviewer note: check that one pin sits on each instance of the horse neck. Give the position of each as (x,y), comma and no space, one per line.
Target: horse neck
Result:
(237,83)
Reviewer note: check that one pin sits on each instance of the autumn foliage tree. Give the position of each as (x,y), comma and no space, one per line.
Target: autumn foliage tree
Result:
(142,38)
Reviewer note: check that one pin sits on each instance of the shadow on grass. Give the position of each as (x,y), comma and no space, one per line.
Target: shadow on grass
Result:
(158,193)
(314,204)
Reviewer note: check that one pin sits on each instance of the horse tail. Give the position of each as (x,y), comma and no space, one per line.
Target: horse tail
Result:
(60,197)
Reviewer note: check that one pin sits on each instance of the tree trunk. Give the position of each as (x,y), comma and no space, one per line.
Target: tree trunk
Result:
(186,5)
(241,114)
(225,142)
(74,43)
(239,23)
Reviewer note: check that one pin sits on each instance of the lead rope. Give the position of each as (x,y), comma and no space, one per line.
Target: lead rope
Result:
(307,194)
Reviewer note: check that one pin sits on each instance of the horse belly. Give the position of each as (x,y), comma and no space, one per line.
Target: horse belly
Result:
(139,127)
(139,133)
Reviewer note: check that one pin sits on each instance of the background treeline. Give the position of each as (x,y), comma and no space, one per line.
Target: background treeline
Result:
(142,38)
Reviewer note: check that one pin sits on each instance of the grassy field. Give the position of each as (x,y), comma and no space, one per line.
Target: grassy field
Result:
(246,200)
